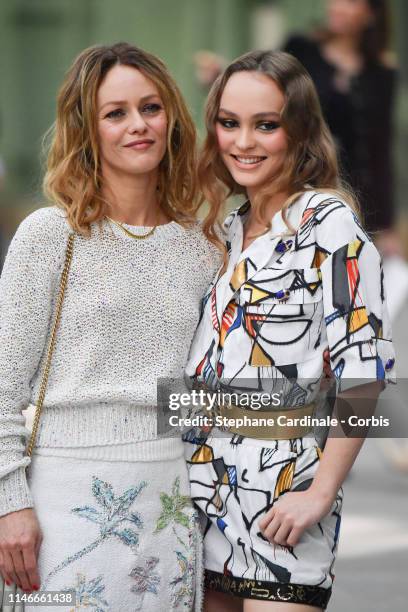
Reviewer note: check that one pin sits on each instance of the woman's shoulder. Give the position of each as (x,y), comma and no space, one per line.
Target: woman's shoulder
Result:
(193,231)
(304,48)
(239,211)
(38,245)
(300,42)
(198,240)
(46,222)
(43,232)
(329,220)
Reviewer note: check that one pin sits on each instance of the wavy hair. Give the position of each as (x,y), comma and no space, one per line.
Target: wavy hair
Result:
(311,160)
(73,178)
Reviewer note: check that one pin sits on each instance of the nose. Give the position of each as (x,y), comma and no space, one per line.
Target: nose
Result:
(245,139)
(137,123)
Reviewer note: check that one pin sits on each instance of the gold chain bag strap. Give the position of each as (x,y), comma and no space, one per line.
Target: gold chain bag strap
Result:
(47,366)
(7,592)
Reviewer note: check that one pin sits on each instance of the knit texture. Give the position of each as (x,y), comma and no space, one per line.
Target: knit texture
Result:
(129,314)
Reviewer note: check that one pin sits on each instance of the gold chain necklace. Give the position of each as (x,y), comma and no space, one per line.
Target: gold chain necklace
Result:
(131,234)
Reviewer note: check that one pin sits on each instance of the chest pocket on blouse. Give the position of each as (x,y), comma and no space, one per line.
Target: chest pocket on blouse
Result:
(283,311)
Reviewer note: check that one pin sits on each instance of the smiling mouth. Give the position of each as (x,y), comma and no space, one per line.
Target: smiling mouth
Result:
(249,159)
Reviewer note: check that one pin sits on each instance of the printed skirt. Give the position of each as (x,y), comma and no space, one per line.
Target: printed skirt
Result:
(234,481)
(120,535)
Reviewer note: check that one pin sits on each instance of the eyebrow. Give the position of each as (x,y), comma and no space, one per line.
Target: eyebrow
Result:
(256,116)
(119,102)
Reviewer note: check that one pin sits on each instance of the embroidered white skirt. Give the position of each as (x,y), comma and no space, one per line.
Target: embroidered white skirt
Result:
(122,535)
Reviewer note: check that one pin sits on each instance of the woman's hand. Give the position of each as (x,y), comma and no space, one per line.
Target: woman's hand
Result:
(20,541)
(294,512)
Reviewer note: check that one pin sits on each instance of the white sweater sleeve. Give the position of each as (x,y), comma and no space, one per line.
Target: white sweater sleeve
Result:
(27,286)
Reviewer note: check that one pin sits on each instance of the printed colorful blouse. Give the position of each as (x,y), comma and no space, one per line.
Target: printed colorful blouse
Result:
(312,282)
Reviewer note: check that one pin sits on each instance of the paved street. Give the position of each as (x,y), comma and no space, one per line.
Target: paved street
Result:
(372,566)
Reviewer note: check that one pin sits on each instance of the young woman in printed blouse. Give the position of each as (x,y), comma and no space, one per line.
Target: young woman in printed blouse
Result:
(98,513)
(300,274)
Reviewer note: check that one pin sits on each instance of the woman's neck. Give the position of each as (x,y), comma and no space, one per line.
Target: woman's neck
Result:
(347,43)
(133,199)
(343,52)
(275,203)
(253,228)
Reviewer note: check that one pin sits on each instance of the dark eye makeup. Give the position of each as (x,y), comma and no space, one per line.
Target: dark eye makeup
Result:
(263,126)
(268,126)
(227,123)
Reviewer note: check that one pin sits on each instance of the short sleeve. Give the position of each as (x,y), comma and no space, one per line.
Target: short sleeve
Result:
(355,312)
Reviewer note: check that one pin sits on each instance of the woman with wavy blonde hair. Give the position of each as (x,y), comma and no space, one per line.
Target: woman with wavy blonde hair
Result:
(300,275)
(104,510)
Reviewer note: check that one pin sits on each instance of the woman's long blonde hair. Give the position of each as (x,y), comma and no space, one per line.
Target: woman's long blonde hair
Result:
(73,176)
(311,161)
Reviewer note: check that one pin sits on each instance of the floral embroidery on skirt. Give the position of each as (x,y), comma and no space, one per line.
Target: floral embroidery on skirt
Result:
(121,535)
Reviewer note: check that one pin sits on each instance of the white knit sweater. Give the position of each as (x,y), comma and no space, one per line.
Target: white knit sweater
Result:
(130,311)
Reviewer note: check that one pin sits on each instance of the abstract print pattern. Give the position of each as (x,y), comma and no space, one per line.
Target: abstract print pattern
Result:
(279,304)
(234,482)
(265,324)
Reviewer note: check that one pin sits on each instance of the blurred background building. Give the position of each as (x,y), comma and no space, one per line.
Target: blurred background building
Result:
(38,41)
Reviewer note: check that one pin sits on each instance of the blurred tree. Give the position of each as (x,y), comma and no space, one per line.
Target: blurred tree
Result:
(39,39)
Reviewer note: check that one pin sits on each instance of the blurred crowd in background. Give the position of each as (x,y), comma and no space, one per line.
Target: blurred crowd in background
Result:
(353,49)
